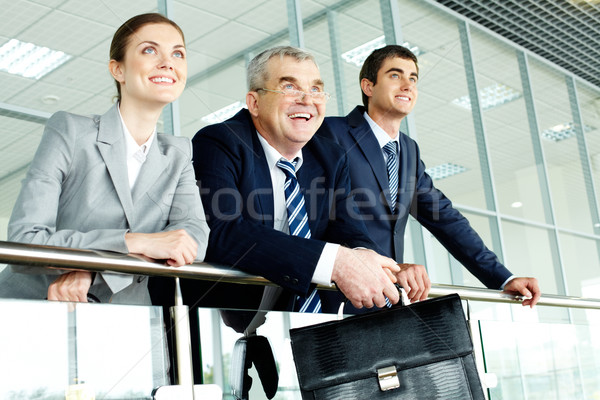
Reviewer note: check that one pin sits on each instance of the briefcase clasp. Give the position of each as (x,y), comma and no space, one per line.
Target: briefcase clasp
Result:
(388,378)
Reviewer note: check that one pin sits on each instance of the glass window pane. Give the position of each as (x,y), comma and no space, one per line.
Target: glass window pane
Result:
(218,50)
(514,169)
(551,361)
(567,184)
(444,268)
(54,350)
(354,23)
(528,252)
(444,129)
(581,265)
(589,103)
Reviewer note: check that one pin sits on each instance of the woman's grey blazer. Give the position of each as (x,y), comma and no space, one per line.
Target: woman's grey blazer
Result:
(76,194)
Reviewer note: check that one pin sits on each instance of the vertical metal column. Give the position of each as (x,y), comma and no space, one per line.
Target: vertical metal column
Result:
(338,66)
(542,172)
(584,157)
(583,153)
(392,29)
(390,17)
(170,115)
(183,342)
(295,23)
(171,119)
(179,312)
(482,149)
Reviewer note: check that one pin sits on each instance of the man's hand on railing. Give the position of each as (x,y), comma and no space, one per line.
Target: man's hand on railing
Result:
(527,287)
(415,281)
(72,286)
(177,247)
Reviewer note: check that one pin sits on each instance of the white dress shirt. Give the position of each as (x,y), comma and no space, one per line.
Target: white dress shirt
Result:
(324,269)
(382,137)
(135,156)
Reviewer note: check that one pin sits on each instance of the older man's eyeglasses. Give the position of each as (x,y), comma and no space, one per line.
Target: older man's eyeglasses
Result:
(317,97)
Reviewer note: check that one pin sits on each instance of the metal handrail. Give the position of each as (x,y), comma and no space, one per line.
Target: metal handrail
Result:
(101,261)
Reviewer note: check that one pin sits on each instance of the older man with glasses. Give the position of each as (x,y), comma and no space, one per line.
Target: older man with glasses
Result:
(278,200)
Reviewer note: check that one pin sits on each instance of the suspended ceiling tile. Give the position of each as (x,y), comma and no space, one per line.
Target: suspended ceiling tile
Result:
(412,11)
(81,74)
(230,9)
(11,129)
(98,104)
(229,82)
(12,84)
(198,103)
(48,3)
(195,22)
(270,17)
(17,16)
(229,39)
(33,97)
(367,11)
(99,51)
(199,61)
(308,7)
(109,12)
(61,31)
(22,148)
(354,32)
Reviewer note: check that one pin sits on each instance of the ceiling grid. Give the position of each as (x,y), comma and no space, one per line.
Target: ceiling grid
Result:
(566,33)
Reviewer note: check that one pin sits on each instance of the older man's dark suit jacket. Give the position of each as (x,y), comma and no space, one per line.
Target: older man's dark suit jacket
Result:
(235,187)
(417,197)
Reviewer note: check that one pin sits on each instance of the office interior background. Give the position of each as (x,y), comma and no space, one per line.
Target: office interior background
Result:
(508,115)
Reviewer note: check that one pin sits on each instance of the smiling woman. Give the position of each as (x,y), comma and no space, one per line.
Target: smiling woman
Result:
(109,182)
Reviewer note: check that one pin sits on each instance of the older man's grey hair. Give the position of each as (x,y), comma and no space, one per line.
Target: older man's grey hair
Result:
(257,68)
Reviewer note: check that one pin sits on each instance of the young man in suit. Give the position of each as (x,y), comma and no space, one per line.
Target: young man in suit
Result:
(389,180)
(238,165)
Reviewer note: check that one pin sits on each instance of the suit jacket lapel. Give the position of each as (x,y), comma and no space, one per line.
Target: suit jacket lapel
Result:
(406,185)
(368,144)
(262,175)
(156,162)
(112,149)
(311,169)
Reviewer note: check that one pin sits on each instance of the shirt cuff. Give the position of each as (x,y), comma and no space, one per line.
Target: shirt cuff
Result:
(510,278)
(324,269)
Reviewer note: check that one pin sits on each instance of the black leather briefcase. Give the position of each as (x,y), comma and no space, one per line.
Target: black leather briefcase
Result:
(422,351)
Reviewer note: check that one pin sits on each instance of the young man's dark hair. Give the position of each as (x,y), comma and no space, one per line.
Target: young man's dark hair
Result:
(373,63)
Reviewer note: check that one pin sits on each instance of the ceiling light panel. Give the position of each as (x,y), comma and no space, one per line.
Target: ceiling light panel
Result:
(444,171)
(358,54)
(223,113)
(29,60)
(490,97)
(562,131)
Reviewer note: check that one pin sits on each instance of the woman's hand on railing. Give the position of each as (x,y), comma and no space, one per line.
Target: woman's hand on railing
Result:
(527,287)
(177,247)
(72,286)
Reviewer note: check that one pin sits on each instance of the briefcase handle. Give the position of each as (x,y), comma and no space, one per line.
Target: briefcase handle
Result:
(403,302)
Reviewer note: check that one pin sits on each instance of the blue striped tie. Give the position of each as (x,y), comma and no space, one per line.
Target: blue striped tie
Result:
(298,223)
(391,149)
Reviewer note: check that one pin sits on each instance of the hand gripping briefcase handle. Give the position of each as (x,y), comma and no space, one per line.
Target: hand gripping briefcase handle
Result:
(422,351)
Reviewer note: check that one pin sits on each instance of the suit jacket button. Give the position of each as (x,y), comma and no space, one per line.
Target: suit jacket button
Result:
(295,281)
(286,278)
